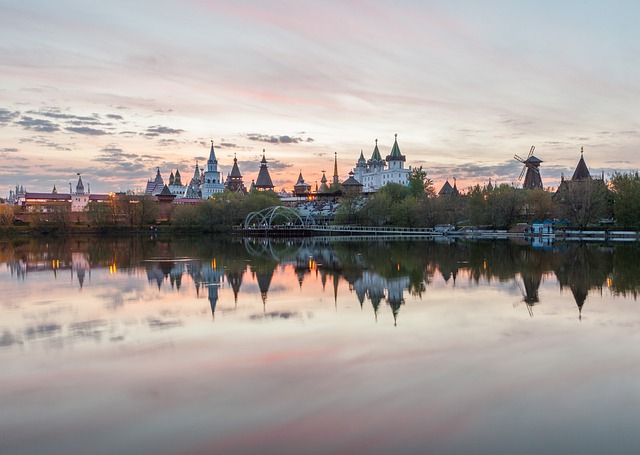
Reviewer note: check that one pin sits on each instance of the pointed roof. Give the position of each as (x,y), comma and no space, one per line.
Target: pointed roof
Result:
(212,155)
(264,179)
(446,188)
(361,161)
(300,179)
(80,186)
(165,191)
(376,153)
(55,190)
(582,171)
(158,178)
(235,170)
(335,168)
(533,160)
(351,182)
(395,154)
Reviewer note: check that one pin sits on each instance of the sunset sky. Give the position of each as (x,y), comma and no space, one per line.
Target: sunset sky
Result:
(115,89)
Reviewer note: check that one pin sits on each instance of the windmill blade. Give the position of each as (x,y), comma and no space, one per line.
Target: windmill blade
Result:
(518,158)
(534,169)
(533,147)
(524,168)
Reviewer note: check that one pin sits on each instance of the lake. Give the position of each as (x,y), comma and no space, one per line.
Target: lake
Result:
(251,346)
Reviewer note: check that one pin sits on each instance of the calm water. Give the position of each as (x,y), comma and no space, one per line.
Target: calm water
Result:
(201,345)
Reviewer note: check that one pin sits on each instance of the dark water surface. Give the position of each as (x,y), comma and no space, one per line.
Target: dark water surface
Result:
(209,345)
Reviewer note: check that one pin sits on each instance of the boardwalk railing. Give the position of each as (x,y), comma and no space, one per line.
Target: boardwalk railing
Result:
(297,230)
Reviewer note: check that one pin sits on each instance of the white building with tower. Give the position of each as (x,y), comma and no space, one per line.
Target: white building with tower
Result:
(376,172)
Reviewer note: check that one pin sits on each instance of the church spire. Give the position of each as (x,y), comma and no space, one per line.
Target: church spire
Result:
(80,186)
(336,178)
(212,156)
(264,182)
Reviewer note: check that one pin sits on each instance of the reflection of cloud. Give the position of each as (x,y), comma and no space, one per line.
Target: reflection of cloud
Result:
(93,329)
(8,339)
(277,315)
(160,324)
(42,331)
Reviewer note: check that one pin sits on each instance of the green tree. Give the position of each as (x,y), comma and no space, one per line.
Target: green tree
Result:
(148,210)
(504,205)
(408,212)
(450,209)
(99,214)
(348,211)
(184,218)
(583,202)
(419,184)
(395,191)
(538,204)
(7,215)
(626,199)
(60,217)
(377,209)
(478,214)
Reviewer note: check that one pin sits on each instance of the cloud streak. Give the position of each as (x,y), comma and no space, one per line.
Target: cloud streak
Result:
(274,139)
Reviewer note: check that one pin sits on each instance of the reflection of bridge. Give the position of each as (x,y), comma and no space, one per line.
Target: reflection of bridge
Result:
(336,230)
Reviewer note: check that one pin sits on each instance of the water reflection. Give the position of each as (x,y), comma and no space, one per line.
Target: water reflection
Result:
(377,273)
(208,345)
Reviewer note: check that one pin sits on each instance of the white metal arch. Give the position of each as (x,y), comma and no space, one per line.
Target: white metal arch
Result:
(264,218)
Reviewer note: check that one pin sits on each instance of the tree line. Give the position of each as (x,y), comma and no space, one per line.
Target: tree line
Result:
(580,204)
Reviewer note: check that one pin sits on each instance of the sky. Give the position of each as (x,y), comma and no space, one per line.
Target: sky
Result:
(113,90)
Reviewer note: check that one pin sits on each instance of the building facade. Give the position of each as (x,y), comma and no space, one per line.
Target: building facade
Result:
(376,172)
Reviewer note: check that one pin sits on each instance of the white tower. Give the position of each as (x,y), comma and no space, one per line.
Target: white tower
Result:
(212,183)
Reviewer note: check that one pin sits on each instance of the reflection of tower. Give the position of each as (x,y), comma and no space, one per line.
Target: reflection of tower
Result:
(213,297)
(264,281)
(583,268)
(234,278)
(361,291)
(80,264)
(212,277)
(395,295)
(176,277)
(580,295)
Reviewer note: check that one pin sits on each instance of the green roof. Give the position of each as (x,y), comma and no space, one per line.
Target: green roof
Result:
(395,152)
(376,153)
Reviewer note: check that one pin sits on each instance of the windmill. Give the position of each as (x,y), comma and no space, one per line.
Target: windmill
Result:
(531,168)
